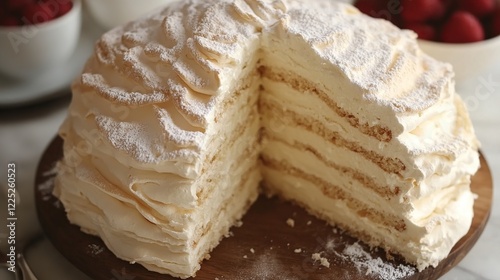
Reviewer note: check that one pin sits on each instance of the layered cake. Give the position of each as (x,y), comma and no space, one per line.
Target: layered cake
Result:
(180,119)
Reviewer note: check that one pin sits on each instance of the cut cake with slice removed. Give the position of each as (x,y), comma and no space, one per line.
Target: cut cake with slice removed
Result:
(177,118)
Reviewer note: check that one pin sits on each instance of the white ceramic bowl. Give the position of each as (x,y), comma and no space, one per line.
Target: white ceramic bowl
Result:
(469,60)
(29,50)
(111,13)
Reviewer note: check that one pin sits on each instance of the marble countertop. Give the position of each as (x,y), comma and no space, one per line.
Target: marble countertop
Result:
(25,133)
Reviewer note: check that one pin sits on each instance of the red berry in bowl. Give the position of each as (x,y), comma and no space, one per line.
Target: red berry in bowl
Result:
(38,13)
(17,5)
(462,27)
(495,24)
(423,30)
(50,7)
(372,8)
(8,21)
(479,8)
(64,7)
(56,8)
(422,10)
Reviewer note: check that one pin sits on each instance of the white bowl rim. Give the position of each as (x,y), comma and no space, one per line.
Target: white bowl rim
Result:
(77,5)
(478,44)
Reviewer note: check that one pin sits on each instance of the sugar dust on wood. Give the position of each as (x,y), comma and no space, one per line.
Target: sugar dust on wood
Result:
(366,264)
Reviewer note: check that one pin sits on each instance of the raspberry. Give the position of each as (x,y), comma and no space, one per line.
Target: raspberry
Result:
(424,31)
(372,8)
(422,10)
(495,24)
(462,27)
(479,8)
(17,5)
(49,8)
(38,13)
(64,7)
(442,9)
(8,21)
(56,8)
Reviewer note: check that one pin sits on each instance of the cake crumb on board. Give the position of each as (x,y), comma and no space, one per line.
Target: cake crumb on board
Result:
(290,222)
(238,223)
(323,261)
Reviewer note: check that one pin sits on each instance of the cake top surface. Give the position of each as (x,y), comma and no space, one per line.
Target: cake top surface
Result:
(192,50)
(171,69)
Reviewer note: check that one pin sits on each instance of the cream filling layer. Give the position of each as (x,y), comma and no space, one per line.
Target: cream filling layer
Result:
(280,124)
(309,163)
(443,231)
(418,201)
(429,152)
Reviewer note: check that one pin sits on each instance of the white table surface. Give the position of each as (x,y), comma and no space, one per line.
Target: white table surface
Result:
(25,133)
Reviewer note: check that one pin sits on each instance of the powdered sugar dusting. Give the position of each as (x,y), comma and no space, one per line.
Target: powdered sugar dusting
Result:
(267,266)
(368,265)
(50,172)
(95,249)
(45,188)
(384,61)
(132,138)
(140,141)
(193,50)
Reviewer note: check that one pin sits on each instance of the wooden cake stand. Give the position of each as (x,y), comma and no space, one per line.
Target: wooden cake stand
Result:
(264,247)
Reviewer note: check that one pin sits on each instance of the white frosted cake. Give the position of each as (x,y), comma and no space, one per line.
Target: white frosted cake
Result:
(179,119)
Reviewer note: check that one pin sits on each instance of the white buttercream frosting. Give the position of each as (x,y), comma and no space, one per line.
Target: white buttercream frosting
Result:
(155,128)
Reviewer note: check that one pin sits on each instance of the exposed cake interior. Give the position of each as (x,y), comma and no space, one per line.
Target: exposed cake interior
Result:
(177,119)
